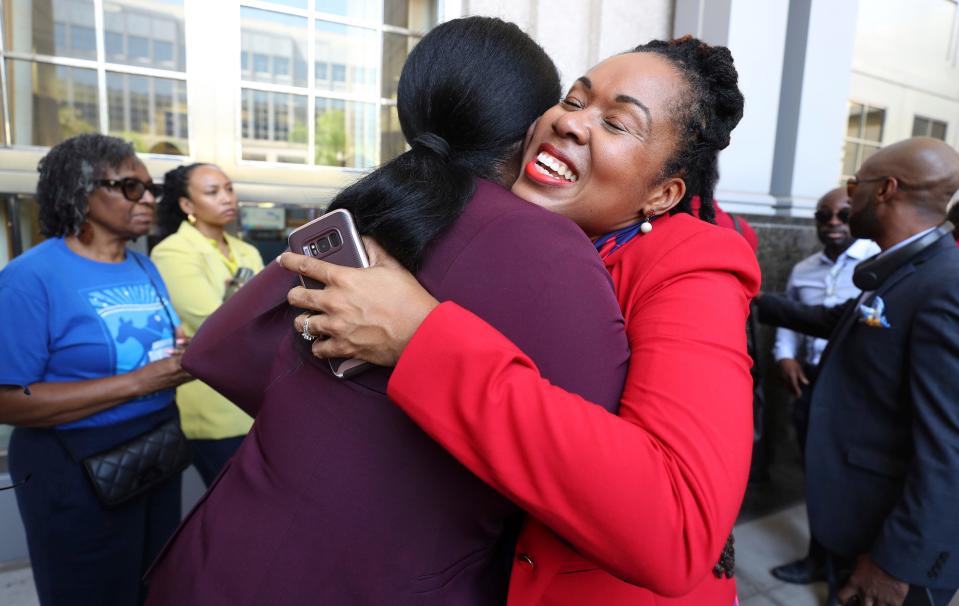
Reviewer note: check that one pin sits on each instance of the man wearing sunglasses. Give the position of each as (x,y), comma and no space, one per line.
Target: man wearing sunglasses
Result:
(882,451)
(823,278)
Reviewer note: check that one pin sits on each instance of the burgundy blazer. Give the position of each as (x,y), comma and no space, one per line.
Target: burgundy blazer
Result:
(336,497)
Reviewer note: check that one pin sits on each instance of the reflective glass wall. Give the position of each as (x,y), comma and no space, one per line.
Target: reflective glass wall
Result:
(318,79)
(114,66)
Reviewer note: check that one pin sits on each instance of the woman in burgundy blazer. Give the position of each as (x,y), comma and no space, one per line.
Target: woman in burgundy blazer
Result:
(632,509)
(336,497)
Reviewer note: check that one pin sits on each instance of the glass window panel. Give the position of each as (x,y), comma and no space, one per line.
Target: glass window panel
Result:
(872,130)
(281,67)
(417,15)
(150,112)
(854,124)
(113,45)
(83,41)
(274,127)
(351,51)
(291,3)
(346,133)
(269,35)
(50,103)
(938,130)
(396,47)
(850,162)
(392,142)
(920,127)
(145,32)
(138,49)
(50,27)
(363,10)
(867,150)
(163,53)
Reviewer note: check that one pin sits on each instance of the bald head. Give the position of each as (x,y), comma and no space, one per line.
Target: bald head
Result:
(834,198)
(927,170)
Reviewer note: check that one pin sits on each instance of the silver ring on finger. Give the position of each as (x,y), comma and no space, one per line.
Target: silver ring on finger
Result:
(306,334)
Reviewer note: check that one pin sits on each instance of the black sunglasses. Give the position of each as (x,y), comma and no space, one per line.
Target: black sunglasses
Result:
(132,188)
(825,216)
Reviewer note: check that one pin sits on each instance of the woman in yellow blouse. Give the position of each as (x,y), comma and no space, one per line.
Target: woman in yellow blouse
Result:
(200,264)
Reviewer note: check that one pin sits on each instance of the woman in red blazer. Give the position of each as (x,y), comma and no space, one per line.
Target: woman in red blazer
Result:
(628,509)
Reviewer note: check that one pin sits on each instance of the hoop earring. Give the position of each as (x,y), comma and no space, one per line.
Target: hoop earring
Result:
(191,218)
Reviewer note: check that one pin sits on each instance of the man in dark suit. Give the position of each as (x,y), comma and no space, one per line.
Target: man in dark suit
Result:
(882,453)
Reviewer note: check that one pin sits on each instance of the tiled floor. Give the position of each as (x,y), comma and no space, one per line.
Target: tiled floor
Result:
(16,586)
(760,544)
(765,542)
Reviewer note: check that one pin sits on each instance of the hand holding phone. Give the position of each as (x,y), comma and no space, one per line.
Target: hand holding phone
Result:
(332,238)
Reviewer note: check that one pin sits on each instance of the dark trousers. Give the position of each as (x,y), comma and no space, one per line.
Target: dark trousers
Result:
(801,410)
(81,552)
(801,423)
(209,456)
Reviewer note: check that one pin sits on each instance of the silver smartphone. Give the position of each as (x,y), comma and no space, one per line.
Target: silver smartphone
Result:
(332,238)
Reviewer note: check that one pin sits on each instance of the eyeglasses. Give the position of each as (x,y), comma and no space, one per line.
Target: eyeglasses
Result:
(825,216)
(853,183)
(132,188)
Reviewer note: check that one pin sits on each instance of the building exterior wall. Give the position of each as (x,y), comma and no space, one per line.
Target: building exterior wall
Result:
(906,60)
(579,34)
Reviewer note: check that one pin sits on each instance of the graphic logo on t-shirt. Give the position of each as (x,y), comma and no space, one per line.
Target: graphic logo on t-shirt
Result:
(134,316)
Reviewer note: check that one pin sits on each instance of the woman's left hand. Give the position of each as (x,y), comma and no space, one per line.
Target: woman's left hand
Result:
(370,314)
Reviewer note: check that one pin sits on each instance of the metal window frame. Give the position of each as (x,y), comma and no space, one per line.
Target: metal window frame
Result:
(100,65)
(860,140)
(309,91)
(931,121)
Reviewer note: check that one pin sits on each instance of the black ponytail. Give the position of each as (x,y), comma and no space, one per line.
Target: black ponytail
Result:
(175,186)
(467,94)
(704,116)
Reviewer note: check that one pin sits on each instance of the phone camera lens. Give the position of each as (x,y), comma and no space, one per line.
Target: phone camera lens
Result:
(335,239)
(323,244)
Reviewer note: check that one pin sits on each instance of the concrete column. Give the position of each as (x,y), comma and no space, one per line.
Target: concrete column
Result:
(755,32)
(813,103)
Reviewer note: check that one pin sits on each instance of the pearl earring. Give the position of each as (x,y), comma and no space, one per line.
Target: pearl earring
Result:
(647,225)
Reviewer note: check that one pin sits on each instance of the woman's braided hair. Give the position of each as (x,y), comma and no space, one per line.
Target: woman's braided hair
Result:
(67,175)
(704,115)
(175,184)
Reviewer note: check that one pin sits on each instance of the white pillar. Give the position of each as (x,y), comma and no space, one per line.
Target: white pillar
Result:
(813,105)
(577,34)
(755,32)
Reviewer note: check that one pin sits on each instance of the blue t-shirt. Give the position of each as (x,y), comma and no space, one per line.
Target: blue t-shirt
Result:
(64,317)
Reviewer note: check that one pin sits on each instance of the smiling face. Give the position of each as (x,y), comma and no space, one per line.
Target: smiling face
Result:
(834,232)
(212,199)
(112,214)
(597,157)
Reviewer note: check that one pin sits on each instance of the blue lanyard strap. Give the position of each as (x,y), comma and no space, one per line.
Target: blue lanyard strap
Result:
(619,238)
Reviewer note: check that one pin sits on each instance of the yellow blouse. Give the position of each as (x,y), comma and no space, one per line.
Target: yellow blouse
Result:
(196,274)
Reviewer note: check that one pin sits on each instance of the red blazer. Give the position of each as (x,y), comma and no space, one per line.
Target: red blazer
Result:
(648,497)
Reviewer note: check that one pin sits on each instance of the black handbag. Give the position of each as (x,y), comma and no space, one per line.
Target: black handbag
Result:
(134,467)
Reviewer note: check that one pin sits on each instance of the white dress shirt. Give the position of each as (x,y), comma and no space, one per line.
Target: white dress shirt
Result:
(818,280)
